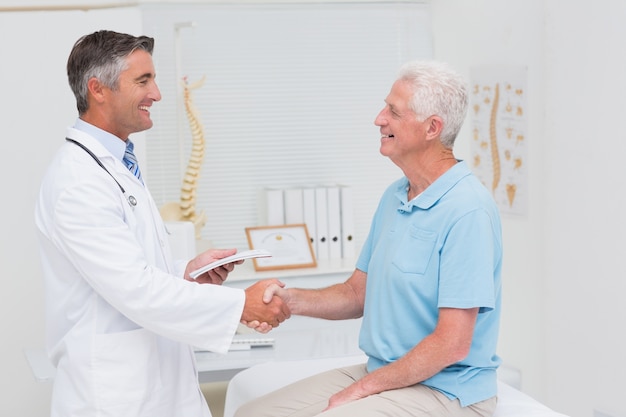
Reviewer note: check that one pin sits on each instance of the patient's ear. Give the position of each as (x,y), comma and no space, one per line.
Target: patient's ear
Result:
(435,127)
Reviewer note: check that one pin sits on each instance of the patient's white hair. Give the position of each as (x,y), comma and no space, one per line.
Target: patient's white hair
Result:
(437,90)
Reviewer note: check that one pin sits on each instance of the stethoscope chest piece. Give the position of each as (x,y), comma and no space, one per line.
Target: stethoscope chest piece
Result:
(132,200)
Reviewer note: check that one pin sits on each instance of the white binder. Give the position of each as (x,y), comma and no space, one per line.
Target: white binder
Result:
(334,222)
(294,209)
(308,210)
(274,207)
(348,246)
(321,219)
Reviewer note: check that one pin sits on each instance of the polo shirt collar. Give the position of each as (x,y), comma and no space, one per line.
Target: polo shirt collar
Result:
(435,191)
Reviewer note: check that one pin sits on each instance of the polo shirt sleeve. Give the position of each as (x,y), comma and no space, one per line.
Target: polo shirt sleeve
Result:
(366,252)
(468,263)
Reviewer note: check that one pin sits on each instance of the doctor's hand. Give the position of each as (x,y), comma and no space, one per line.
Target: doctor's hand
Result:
(259,309)
(274,289)
(214,276)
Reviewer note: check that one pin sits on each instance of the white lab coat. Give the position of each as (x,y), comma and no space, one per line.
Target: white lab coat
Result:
(120,319)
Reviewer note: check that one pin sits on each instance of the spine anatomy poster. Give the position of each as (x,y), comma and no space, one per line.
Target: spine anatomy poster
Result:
(499,141)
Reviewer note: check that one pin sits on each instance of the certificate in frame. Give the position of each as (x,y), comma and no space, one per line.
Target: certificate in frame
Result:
(289,244)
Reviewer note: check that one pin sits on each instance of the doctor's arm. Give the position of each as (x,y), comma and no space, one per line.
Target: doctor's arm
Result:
(449,343)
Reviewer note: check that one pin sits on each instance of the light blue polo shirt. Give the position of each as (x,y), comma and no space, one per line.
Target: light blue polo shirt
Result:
(442,249)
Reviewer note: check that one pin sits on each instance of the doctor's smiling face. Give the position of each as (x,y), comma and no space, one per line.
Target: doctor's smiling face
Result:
(127,106)
(113,79)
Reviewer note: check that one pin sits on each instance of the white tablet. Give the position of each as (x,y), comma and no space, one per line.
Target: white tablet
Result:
(253,253)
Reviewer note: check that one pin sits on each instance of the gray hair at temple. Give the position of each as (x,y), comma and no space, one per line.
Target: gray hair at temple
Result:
(437,90)
(101,55)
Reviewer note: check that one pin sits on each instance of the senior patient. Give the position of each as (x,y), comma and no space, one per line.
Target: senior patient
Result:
(122,317)
(427,281)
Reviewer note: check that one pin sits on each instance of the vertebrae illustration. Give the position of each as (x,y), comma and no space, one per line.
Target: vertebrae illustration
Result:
(185,209)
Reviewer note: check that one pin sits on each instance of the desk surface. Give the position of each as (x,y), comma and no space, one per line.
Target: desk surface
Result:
(298,338)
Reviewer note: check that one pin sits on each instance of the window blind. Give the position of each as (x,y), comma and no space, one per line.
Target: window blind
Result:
(289,99)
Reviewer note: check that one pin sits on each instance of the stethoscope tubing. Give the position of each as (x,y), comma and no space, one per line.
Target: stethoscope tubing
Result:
(131,199)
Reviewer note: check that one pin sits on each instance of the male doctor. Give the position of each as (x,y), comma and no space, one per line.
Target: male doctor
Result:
(121,320)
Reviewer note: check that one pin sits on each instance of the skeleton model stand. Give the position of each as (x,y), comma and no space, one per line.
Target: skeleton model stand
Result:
(185,209)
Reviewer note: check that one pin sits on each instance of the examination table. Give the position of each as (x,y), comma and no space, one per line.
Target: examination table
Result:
(260,379)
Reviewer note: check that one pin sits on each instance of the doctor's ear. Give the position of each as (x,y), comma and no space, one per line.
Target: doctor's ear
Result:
(96,89)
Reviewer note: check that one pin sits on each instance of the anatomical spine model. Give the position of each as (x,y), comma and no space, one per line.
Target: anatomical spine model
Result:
(185,209)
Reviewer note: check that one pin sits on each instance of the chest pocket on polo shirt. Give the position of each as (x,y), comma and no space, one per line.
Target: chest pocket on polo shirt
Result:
(416,251)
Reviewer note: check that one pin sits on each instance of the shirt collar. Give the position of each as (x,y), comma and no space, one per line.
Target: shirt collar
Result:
(435,191)
(112,143)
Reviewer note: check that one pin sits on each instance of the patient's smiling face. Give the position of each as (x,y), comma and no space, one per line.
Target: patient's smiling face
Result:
(402,135)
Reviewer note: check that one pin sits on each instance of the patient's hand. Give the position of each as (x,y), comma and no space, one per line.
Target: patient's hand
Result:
(274,289)
(258,326)
(264,311)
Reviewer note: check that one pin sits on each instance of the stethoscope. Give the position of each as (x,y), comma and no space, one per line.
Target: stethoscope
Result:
(132,201)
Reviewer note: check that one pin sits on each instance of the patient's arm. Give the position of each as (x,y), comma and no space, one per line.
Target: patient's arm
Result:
(336,302)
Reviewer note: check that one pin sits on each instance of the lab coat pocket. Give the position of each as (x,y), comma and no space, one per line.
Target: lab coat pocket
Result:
(417,247)
(126,368)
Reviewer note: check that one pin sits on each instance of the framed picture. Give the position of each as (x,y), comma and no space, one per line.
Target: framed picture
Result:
(289,244)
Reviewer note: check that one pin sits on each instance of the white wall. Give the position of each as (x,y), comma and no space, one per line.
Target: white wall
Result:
(564,318)
(585,203)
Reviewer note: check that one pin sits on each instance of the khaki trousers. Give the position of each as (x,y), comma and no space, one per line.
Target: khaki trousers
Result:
(308,397)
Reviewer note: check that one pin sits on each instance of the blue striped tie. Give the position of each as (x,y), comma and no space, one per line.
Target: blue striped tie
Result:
(131,160)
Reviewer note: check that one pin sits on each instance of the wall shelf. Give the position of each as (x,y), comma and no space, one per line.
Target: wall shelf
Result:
(336,267)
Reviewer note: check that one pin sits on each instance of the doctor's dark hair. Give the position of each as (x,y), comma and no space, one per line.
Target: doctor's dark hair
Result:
(437,90)
(101,55)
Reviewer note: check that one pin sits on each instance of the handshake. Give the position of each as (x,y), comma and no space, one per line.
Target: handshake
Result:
(264,309)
